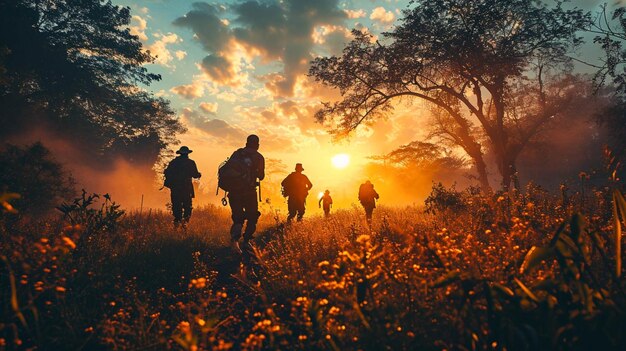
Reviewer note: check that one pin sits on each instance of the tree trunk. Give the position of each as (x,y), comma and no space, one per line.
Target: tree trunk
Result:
(508,170)
(474,151)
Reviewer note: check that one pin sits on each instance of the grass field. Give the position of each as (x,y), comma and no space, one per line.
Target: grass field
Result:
(529,271)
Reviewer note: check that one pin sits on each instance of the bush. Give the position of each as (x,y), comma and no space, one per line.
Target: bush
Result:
(33,173)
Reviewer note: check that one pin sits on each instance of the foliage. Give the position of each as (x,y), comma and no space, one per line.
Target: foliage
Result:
(31,172)
(78,77)
(461,55)
(482,275)
(442,199)
(610,30)
(81,212)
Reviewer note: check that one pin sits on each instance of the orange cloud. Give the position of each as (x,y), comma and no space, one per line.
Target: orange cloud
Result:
(383,16)
(190,91)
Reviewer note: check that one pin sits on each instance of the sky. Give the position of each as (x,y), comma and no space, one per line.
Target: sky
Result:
(233,68)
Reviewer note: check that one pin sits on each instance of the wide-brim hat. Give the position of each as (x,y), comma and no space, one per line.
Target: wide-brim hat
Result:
(299,167)
(184,150)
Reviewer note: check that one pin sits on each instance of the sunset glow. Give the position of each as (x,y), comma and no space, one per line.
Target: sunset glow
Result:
(341,161)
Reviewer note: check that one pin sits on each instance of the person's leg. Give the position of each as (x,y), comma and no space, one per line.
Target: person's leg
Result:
(369,210)
(291,206)
(301,210)
(237,217)
(252,215)
(177,207)
(186,205)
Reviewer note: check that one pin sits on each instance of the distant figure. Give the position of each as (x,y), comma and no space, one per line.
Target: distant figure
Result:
(178,176)
(243,198)
(368,197)
(327,201)
(296,186)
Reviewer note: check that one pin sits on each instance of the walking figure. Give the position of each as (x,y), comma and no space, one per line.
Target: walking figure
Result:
(178,176)
(240,176)
(296,186)
(327,201)
(368,197)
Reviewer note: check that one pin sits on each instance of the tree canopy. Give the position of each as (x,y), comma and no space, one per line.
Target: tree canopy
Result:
(473,61)
(74,68)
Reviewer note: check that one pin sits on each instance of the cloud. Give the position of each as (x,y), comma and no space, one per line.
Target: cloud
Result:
(190,91)
(225,69)
(332,38)
(138,27)
(217,128)
(275,31)
(383,16)
(159,49)
(209,107)
(355,13)
(207,26)
(180,54)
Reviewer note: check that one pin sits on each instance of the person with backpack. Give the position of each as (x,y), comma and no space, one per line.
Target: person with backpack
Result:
(327,201)
(178,176)
(296,187)
(239,176)
(368,197)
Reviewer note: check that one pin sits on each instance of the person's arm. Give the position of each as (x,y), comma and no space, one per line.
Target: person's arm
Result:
(319,203)
(308,182)
(261,169)
(194,170)
(284,182)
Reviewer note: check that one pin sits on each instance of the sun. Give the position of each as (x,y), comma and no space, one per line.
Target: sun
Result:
(341,160)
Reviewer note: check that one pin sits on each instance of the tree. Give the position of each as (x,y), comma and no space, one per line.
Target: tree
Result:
(610,33)
(471,59)
(74,67)
(36,176)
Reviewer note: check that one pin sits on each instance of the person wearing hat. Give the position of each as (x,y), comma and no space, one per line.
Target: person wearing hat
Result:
(243,199)
(327,201)
(178,176)
(368,197)
(296,187)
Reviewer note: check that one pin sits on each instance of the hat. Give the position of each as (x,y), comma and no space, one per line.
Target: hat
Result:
(299,167)
(184,150)
(326,191)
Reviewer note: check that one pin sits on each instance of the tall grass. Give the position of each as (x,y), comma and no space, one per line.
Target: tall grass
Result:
(474,272)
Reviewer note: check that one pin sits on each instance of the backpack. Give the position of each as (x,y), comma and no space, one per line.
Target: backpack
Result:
(286,186)
(168,176)
(235,173)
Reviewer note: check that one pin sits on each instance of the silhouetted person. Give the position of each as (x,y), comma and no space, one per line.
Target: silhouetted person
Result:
(243,201)
(296,186)
(178,176)
(368,197)
(327,201)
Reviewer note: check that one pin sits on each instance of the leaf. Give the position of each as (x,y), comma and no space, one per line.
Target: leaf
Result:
(14,301)
(558,234)
(576,226)
(446,279)
(535,256)
(526,290)
(619,208)
(502,289)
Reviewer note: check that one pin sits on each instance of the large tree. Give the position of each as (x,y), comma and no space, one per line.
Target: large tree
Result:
(475,61)
(610,30)
(73,67)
